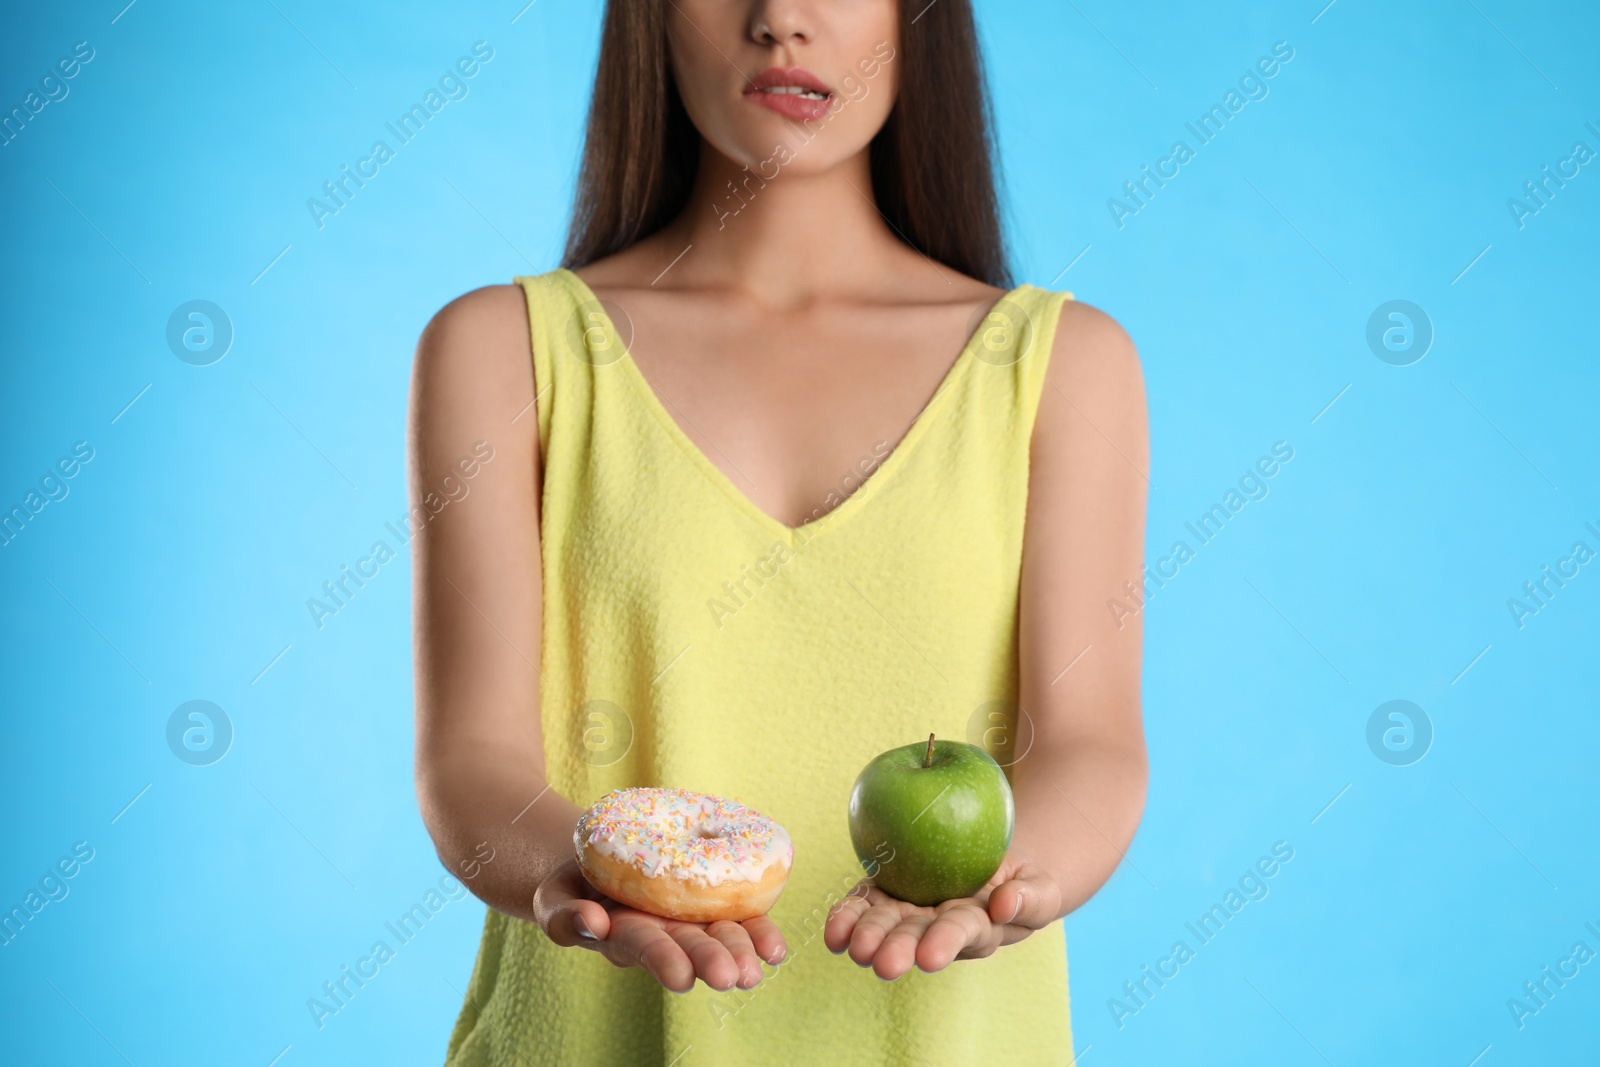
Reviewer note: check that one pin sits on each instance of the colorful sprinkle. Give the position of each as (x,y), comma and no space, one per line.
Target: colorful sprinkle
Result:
(692,835)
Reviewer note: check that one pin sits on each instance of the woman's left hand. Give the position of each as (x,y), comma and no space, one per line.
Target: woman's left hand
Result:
(891,936)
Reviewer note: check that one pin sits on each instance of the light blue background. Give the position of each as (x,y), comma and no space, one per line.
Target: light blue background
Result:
(1378,568)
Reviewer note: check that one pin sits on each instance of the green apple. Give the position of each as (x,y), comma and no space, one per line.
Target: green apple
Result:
(932,821)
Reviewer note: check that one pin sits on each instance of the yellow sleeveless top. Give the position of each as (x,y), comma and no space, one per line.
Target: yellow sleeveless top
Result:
(691,640)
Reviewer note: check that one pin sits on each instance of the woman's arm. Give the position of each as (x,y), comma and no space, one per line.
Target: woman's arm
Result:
(494,820)
(1080,790)
(476,604)
(1080,787)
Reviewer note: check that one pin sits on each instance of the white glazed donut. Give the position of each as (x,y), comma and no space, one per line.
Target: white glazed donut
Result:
(683,855)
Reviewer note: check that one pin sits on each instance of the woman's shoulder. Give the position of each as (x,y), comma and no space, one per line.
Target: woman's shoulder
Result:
(1095,365)
(1086,326)
(479,314)
(1087,336)
(474,351)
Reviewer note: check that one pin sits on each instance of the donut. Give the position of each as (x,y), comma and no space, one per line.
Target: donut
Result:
(683,855)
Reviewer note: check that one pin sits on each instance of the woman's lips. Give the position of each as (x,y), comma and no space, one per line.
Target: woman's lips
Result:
(795,93)
(791,105)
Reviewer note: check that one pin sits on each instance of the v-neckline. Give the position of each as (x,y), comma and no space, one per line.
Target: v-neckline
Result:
(886,467)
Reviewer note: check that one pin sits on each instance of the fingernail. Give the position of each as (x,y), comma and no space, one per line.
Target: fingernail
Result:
(581,928)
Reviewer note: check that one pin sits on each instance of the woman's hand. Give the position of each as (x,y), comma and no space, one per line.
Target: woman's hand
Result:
(891,936)
(720,954)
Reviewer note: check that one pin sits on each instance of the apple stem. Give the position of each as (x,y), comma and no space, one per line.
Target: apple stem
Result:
(927,760)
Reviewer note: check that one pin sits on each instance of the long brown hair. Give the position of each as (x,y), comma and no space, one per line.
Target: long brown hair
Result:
(932,162)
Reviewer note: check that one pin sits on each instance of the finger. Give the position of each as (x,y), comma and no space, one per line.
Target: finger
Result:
(567,914)
(768,939)
(898,952)
(871,929)
(965,928)
(713,963)
(836,932)
(1033,901)
(736,939)
(639,941)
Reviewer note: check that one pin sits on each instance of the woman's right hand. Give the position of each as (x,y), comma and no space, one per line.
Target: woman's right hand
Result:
(721,954)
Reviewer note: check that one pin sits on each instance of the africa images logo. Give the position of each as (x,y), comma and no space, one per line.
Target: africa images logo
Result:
(338,192)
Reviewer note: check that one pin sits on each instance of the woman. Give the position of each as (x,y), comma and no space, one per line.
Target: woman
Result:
(785,474)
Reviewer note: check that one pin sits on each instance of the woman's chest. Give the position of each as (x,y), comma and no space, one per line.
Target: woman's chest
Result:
(797,411)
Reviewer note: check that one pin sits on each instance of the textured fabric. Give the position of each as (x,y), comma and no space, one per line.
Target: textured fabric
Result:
(691,640)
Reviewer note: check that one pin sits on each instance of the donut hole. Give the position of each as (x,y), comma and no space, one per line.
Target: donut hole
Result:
(706,832)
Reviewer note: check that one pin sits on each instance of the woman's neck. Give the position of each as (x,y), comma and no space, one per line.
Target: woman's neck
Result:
(789,236)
